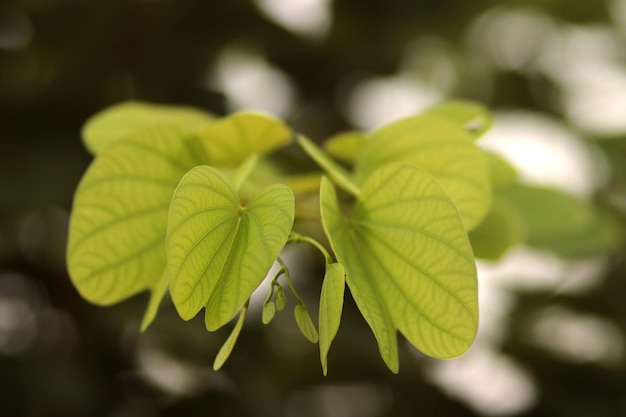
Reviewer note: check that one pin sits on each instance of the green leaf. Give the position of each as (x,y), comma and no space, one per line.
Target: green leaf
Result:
(561,223)
(345,146)
(218,251)
(501,171)
(472,117)
(408,261)
(121,120)
(269,310)
(233,139)
(117,228)
(502,228)
(305,324)
(281,298)
(229,344)
(334,170)
(442,149)
(331,306)
(157,294)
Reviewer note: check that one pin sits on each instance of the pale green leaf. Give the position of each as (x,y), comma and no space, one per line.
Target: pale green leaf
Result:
(501,171)
(229,344)
(218,251)
(269,310)
(562,223)
(117,228)
(408,261)
(331,306)
(122,119)
(243,171)
(156,295)
(233,139)
(345,146)
(305,324)
(502,228)
(472,117)
(442,149)
(334,170)
(281,298)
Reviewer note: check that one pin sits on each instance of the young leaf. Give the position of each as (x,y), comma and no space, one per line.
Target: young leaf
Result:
(281,298)
(233,139)
(269,310)
(305,324)
(501,171)
(442,149)
(345,146)
(331,306)
(408,261)
(158,292)
(334,170)
(116,244)
(121,120)
(229,344)
(502,228)
(472,117)
(219,252)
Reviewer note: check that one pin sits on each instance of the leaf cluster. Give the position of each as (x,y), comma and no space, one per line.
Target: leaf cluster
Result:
(178,199)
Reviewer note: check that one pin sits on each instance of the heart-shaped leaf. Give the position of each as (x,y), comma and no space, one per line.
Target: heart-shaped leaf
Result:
(472,117)
(117,229)
(233,139)
(441,148)
(218,250)
(120,120)
(331,306)
(408,261)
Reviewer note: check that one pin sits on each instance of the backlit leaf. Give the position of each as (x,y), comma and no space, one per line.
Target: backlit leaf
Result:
(331,306)
(122,119)
(332,169)
(501,171)
(117,229)
(561,223)
(408,261)
(269,310)
(442,149)
(233,139)
(502,228)
(305,324)
(472,117)
(229,344)
(345,146)
(219,251)
(281,298)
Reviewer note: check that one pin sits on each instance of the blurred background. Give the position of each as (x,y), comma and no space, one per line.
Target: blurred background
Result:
(553,327)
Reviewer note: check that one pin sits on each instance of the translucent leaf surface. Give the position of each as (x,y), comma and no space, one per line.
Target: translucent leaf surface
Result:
(408,261)
(123,119)
(229,344)
(281,299)
(440,148)
(233,139)
(305,324)
(117,229)
(468,115)
(334,170)
(345,146)
(561,223)
(269,310)
(502,228)
(501,171)
(331,306)
(218,251)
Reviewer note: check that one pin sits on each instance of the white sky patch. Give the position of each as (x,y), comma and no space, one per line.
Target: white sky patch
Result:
(307,18)
(487,381)
(250,82)
(576,337)
(545,152)
(382,100)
